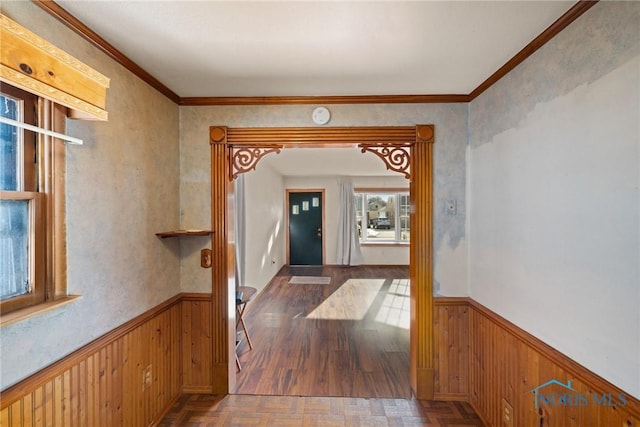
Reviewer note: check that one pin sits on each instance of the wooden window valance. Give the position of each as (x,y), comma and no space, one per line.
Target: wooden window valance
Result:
(33,64)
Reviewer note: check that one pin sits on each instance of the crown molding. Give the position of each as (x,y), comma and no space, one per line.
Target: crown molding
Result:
(554,29)
(300,100)
(77,26)
(55,10)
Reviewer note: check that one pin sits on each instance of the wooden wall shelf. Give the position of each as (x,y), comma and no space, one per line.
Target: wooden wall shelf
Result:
(181,233)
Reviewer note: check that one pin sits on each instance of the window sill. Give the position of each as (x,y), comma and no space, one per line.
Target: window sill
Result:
(399,244)
(25,313)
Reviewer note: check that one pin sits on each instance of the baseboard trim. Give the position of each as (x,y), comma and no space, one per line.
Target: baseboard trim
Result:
(198,390)
(158,419)
(479,413)
(451,397)
(425,383)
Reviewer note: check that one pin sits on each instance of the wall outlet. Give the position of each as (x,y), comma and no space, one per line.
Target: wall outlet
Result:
(507,414)
(146,378)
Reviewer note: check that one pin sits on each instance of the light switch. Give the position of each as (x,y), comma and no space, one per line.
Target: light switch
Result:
(206,258)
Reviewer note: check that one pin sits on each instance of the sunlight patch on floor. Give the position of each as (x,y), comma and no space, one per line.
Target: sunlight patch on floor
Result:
(351,301)
(396,305)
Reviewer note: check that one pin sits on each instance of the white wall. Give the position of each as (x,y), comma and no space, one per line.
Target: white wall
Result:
(554,194)
(122,188)
(265,226)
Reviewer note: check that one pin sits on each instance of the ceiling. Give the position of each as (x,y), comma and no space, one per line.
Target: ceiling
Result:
(202,49)
(318,48)
(297,162)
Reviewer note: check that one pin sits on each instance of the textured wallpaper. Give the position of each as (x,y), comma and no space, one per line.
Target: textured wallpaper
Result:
(148,169)
(122,188)
(450,122)
(595,44)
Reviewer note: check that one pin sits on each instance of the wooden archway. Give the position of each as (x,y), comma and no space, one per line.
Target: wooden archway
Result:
(405,149)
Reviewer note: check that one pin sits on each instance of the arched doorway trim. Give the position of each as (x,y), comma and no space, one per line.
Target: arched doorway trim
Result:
(238,150)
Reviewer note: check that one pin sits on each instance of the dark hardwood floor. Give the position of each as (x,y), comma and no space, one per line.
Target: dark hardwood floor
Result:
(349,338)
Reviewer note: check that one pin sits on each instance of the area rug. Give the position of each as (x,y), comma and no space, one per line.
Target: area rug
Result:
(310,280)
(306,270)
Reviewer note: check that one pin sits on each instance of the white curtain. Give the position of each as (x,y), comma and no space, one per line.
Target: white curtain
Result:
(240,230)
(348,237)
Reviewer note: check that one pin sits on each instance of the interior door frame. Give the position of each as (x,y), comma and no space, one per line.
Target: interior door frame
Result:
(288,191)
(405,149)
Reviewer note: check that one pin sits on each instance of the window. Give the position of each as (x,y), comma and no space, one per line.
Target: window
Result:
(31,203)
(383,215)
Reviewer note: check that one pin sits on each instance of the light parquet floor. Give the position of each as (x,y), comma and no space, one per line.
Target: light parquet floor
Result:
(346,339)
(281,411)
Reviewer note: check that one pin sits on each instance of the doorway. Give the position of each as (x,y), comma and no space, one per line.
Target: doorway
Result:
(406,149)
(305,244)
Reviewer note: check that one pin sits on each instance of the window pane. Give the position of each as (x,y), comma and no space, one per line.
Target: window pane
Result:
(405,210)
(381,217)
(359,214)
(385,217)
(9,144)
(14,246)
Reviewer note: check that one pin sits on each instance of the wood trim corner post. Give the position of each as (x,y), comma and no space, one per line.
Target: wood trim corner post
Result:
(421,264)
(223,259)
(238,150)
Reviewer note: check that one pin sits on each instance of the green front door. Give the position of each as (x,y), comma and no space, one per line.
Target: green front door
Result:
(305,228)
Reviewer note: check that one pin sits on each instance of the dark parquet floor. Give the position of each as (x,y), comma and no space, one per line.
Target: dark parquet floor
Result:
(280,411)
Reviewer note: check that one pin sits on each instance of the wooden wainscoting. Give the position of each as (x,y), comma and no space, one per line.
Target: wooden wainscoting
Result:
(101,384)
(479,357)
(451,358)
(484,358)
(196,343)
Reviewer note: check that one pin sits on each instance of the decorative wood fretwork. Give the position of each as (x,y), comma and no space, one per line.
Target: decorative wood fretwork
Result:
(396,157)
(248,145)
(244,159)
(242,156)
